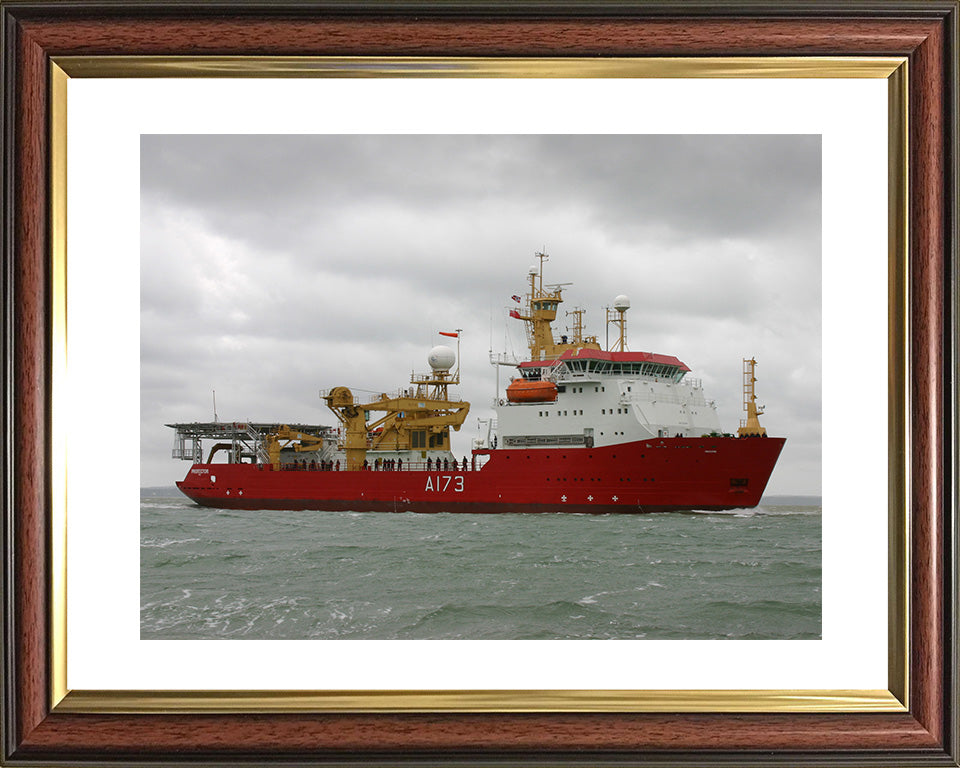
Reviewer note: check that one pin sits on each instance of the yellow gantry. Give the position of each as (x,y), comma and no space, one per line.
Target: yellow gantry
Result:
(414,420)
(290,439)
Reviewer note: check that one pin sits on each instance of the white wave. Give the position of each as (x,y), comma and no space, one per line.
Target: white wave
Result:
(739,512)
(163,543)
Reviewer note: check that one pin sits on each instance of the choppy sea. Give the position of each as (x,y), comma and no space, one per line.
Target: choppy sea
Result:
(223,574)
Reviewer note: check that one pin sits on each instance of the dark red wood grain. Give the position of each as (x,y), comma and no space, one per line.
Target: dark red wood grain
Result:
(30,379)
(927,355)
(923,37)
(470,37)
(301,734)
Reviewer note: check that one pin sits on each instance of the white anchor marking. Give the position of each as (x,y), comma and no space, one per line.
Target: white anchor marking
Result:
(563,498)
(589,498)
(614,498)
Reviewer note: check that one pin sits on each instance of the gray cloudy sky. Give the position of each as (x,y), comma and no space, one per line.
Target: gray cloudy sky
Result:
(275,266)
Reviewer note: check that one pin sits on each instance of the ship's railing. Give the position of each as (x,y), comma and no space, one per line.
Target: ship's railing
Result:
(259,448)
(404,392)
(562,373)
(193,452)
(473,464)
(504,359)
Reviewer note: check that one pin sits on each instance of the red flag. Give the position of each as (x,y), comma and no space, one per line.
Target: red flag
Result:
(514,313)
(452,335)
(516,299)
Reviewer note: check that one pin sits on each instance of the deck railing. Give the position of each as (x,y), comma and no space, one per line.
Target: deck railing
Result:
(466,465)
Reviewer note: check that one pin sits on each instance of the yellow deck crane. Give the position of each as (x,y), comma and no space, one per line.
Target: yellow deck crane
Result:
(291,439)
(417,418)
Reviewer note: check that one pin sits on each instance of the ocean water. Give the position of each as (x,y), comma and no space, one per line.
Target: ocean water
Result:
(228,574)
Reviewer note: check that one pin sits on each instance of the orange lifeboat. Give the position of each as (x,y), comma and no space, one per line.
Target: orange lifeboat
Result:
(521,391)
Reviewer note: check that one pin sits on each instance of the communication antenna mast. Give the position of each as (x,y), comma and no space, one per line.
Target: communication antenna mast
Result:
(543,257)
(577,330)
(618,316)
(215,419)
(457,375)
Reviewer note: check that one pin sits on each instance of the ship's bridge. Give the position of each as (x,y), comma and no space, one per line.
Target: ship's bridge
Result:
(591,363)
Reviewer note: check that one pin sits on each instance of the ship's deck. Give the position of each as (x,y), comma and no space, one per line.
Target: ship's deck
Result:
(218,430)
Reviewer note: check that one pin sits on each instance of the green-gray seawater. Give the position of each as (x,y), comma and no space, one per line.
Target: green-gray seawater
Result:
(228,574)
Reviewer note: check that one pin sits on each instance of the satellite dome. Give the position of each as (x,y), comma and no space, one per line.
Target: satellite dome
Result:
(441,358)
(533,270)
(621,302)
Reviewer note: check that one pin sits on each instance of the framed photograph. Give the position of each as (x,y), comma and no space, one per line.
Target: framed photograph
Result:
(295,198)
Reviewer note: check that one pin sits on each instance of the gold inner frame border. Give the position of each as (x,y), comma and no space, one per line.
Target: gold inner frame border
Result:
(895,699)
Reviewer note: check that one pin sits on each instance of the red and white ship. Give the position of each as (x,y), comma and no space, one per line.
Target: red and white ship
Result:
(581,429)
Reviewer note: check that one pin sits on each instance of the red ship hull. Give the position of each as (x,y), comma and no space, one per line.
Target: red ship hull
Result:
(657,475)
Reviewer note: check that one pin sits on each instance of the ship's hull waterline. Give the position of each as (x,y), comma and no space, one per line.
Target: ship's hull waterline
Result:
(658,475)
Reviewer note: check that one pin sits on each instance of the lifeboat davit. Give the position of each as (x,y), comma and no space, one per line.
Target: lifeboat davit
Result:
(521,391)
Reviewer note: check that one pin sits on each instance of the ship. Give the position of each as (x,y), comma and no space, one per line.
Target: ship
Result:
(578,429)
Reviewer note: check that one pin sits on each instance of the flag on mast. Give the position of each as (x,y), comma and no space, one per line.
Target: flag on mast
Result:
(451,335)
(514,313)
(516,298)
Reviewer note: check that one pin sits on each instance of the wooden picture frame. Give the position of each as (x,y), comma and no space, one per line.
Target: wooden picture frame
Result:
(37,730)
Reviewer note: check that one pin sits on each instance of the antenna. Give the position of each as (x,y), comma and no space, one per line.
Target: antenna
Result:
(459,331)
(215,419)
(618,317)
(542,255)
(491,325)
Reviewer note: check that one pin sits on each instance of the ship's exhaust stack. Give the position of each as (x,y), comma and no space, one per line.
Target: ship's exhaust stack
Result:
(750,427)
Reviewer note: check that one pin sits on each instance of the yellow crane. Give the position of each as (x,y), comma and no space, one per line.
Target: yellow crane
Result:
(290,439)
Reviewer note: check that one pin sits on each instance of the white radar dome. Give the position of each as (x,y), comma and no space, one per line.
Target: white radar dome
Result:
(442,358)
(533,270)
(621,302)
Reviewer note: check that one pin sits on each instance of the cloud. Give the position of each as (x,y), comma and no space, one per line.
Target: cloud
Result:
(273,266)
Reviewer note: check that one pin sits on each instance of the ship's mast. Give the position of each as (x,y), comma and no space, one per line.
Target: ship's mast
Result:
(577,313)
(750,427)
(618,317)
(541,312)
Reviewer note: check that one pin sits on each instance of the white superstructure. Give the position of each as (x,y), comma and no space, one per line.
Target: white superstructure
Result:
(572,392)
(606,398)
